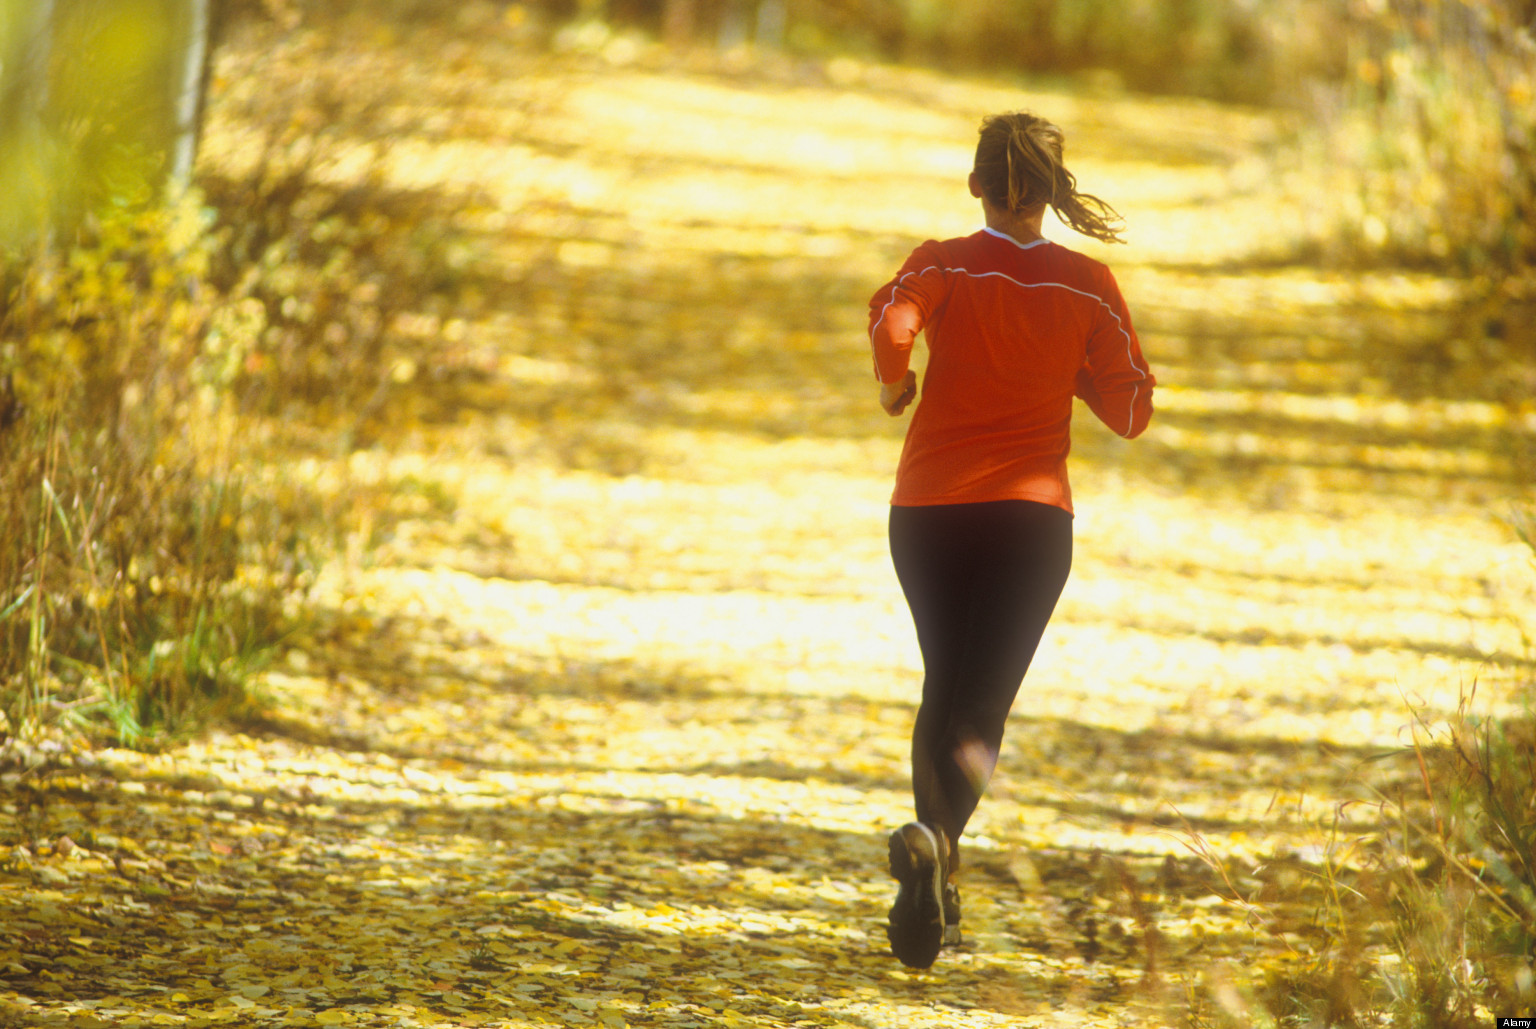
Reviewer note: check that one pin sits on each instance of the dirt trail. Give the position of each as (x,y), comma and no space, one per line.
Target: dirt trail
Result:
(605,720)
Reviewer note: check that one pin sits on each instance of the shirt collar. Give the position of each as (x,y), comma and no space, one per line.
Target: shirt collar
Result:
(1022,246)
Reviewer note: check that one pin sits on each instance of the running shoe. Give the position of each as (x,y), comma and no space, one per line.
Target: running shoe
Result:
(951,915)
(916,928)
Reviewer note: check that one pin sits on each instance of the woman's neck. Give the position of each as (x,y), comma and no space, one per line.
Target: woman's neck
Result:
(1023,226)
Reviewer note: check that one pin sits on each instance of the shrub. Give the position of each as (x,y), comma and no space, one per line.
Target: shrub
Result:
(129,593)
(1430,140)
(1464,922)
(1438,929)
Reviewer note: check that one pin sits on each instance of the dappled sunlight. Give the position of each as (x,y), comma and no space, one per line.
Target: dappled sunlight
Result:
(600,712)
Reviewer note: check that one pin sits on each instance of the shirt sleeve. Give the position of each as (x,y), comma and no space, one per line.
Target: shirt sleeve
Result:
(899,310)
(1115,380)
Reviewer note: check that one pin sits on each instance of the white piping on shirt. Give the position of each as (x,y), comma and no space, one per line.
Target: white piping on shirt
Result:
(989,230)
(876,327)
(1129,353)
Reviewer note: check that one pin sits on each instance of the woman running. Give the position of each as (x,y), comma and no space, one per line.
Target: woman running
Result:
(981,517)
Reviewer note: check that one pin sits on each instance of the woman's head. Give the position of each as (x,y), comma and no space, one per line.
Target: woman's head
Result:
(1019,168)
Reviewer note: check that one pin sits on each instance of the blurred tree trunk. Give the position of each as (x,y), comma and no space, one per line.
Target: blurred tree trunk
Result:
(27,34)
(101,102)
(734,30)
(756,21)
(24,62)
(192,50)
(677,21)
(771,18)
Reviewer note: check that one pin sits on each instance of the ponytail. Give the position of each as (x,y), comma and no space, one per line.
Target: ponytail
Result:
(1019,166)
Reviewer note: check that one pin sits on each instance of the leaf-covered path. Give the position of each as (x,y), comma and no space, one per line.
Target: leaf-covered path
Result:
(603,718)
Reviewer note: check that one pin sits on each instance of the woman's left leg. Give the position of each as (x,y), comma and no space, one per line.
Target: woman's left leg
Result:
(982,581)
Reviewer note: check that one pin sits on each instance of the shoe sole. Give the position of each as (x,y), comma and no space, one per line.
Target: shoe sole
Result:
(951,915)
(916,928)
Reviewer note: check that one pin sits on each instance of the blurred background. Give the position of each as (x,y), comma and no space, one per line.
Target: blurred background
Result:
(1425,106)
(322,322)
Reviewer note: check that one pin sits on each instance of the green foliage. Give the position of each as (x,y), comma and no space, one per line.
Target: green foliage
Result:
(322,266)
(86,110)
(322,275)
(1464,920)
(129,600)
(1432,142)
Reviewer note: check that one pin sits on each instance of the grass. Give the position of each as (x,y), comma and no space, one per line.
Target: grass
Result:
(1435,928)
(129,607)
(1464,927)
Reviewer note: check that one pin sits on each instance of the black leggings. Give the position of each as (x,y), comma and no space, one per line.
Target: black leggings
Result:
(982,581)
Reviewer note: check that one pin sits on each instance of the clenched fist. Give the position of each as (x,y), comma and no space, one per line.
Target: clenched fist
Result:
(895,396)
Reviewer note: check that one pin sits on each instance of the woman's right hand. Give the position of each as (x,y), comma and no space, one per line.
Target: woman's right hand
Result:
(895,396)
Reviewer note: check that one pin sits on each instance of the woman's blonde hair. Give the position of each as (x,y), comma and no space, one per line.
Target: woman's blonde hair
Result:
(1019,166)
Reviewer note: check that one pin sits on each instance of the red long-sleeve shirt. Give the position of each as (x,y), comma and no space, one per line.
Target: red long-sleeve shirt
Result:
(1014,330)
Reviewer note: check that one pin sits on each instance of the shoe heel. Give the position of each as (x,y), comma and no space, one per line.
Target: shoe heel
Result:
(913,851)
(916,928)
